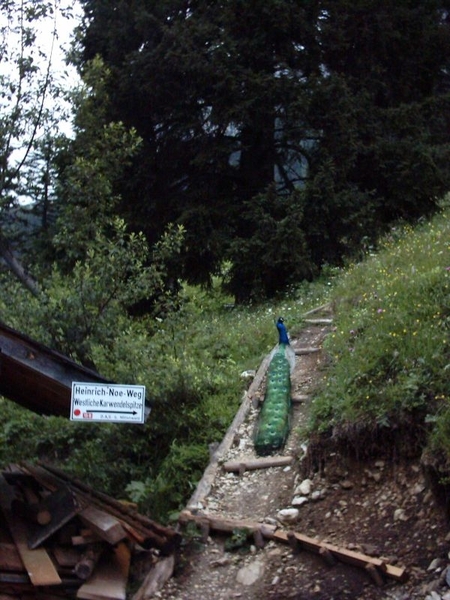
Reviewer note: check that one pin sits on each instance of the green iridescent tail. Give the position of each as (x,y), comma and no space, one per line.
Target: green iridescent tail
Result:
(273,423)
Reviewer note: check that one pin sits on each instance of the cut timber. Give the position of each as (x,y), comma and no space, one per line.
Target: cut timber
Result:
(85,566)
(301,351)
(165,539)
(103,524)
(258,463)
(156,578)
(109,580)
(31,512)
(37,563)
(226,525)
(348,556)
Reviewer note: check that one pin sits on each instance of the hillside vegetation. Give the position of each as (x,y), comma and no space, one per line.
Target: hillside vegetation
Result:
(385,385)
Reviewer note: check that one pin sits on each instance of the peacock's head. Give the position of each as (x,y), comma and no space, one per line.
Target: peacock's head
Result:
(280,320)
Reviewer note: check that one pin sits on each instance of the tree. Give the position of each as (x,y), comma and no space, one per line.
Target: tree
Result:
(29,110)
(329,100)
(209,94)
(383,154)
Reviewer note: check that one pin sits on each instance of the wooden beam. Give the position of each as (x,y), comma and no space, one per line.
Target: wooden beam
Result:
(103,524)
(258,463)
(325,307)
(348,556)
(156,578)
(218,523)
(301,351)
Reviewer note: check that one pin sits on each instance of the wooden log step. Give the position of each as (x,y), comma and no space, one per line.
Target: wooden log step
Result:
(299,399)
(218,523)
(257,463)
(324,307)
(329,551)
(319,321)
(302,351)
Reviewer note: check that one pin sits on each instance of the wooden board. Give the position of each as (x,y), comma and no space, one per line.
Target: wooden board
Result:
(161,572)
(109,580)
(103,524)
(38,564)
(348,556)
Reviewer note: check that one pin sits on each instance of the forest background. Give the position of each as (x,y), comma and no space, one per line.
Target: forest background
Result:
(241,147)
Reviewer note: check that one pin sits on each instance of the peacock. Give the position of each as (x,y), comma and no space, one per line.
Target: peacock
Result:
(273,424)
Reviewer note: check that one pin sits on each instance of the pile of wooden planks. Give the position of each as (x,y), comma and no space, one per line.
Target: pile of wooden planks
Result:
(61,539)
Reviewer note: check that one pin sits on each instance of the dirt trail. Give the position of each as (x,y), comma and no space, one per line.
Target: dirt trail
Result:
(381,509)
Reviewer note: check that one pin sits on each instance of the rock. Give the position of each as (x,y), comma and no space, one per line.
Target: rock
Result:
(370,549)
(433,596)
(249,574)
(435,564)
(317,495)
(428,497)
(304,489)
(399,515)
(250,374)
(288,515)
(220,562)
(418,489)
(379,464)
(346,484)
(299,500)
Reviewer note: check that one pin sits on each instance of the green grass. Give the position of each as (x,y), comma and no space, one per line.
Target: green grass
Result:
(390,352)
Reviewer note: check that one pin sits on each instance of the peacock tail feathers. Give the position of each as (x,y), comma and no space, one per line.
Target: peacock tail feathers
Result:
(272,427)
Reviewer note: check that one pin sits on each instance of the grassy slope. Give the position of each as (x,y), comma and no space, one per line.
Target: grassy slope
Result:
(390,352)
